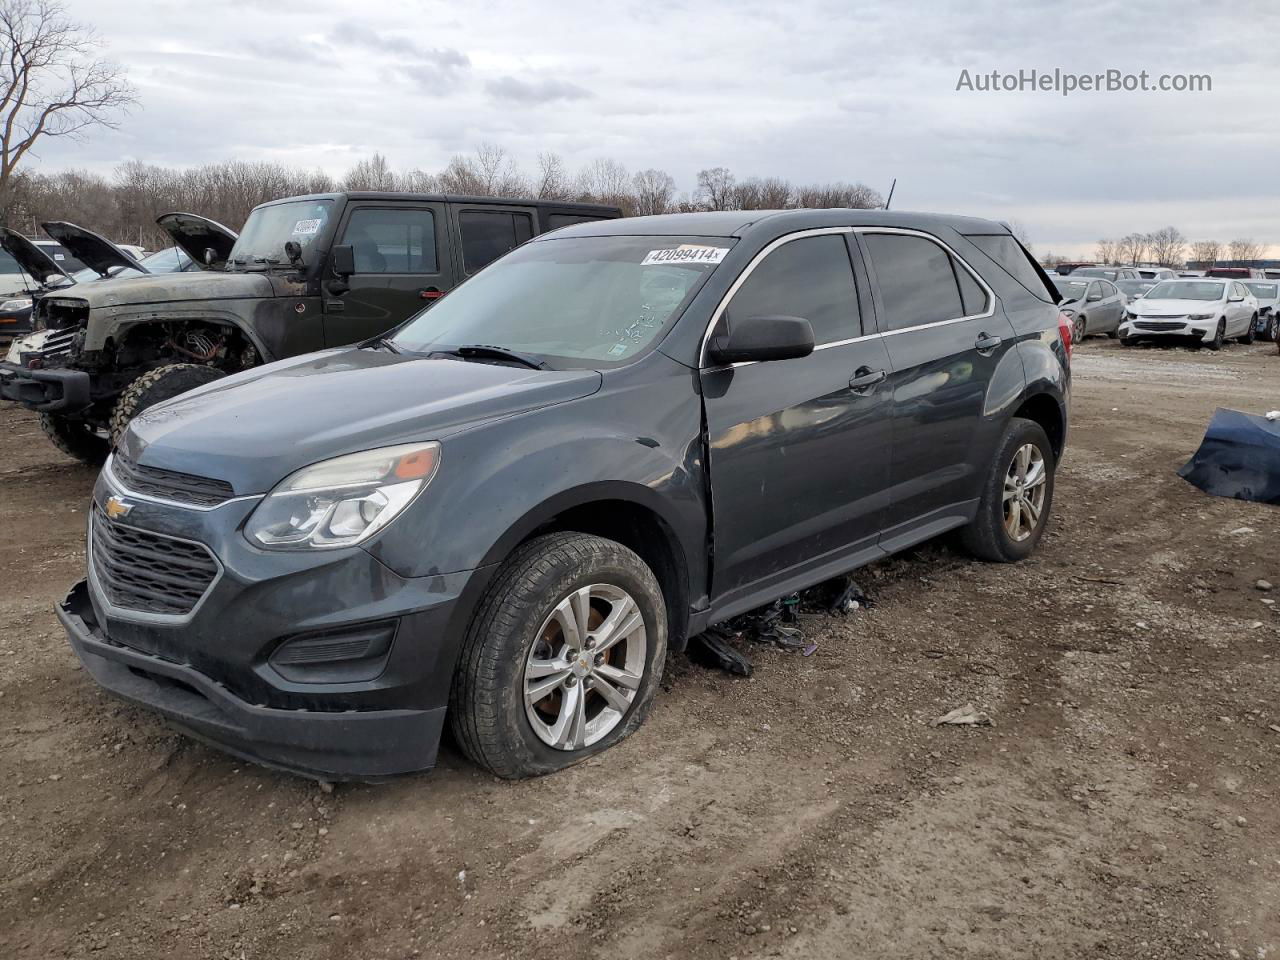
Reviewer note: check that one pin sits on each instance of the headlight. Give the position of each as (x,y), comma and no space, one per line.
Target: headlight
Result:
(1131,315)
(13,306)
(1200,316)
(341,502)
(1069,311)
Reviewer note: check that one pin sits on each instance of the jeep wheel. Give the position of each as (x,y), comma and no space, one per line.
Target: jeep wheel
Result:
(1016,498)
(75,438)
(162,383)
(562,658)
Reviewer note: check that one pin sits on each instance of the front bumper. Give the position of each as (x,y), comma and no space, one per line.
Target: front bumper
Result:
(48,391)
(1204,330)
(214,671)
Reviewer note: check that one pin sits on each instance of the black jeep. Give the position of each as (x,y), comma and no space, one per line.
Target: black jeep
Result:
(305,273)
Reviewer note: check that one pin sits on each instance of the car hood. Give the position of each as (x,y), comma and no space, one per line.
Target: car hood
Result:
(173,287)
(1174,308)
(38,264)
(196,234)
(97,253)
(255,428)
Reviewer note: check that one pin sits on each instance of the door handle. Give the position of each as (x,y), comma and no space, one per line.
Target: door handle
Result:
(865,379)
(430,293)
(986,345)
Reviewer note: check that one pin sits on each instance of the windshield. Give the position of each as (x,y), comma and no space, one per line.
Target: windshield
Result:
(1266,291)
(1185,290)
(1135,287)
(573,302)
(1072,289)
(269,228)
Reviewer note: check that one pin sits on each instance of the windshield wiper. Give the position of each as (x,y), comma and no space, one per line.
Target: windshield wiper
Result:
(384,342)
(485,350)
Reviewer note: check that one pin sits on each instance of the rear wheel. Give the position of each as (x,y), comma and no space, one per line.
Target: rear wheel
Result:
(75,438)
(155,386)
(1270,333)
(1247,339)
(1016,498)
(562,658)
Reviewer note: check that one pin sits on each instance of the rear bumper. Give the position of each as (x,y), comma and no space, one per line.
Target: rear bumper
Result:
(48,391)
(329,745)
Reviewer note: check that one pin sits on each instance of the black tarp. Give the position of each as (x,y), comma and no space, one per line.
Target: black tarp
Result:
(1239,457)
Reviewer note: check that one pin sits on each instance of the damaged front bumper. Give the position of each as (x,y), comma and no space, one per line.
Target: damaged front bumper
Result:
(46,391)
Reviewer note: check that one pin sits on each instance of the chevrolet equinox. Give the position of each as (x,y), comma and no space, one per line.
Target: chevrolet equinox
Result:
(506,511)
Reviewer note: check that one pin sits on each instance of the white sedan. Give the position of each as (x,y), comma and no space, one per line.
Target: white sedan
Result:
(1210,311)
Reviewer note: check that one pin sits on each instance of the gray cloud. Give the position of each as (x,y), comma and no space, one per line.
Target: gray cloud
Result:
(545,90)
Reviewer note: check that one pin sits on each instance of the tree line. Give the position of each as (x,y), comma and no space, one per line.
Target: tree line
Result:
(1168,247)
(124,205)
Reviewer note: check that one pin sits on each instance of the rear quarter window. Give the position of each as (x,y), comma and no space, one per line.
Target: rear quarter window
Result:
(1010,256)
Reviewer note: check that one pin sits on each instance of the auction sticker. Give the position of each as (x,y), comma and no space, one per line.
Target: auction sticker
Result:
(306,226)
(685,253)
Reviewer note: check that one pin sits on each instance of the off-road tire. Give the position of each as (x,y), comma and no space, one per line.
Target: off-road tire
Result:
(1247,339)
(1216,342)
(75,438)
(985,536)
(162,383)
(486,703)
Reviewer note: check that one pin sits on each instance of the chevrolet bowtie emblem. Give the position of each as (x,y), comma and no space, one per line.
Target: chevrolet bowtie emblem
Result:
(117,508)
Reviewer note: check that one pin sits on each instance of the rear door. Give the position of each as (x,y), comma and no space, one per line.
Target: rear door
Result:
(401,261)
(946,335)
(799,449)
(484,232)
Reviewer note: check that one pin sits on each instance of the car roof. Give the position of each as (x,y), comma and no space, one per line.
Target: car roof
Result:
(739,223)
(446,198)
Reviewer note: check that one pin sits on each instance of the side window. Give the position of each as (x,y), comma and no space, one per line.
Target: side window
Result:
(810,278)
(1095,291)
(916,278)
(973,297)
(558,220)
(488,234)
(387,240)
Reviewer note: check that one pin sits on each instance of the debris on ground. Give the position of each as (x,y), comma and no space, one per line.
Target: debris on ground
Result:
(712,649)
(1239,457)
(965,716)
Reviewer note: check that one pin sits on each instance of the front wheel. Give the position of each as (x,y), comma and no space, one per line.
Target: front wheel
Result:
(1219,336)
(75,438)
(562,658)
(155,386)
(1016,498)
(1128,341)
(1079,330)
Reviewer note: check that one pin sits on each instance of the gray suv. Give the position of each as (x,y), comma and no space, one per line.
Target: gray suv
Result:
(504,513)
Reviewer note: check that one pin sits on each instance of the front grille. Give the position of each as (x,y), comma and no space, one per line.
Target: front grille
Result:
(1158,327)
(148,572)
(170,484)
(58,343)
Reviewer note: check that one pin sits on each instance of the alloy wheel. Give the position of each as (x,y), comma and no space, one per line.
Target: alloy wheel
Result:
(585,666)
(1024,492)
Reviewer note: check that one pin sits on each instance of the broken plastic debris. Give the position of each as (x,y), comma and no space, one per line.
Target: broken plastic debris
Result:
(712,649)
(1273,414)
(965,716)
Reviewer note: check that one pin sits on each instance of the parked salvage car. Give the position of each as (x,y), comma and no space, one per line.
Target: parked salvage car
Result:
(305,273)
(500,514)
(1156,273)
(1133,289)
(1094,306)
(1268,296)
(1206,311)
(1112,273)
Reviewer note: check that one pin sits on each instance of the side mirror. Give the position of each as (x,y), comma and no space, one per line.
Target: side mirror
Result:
(757,339)
(293,250)
(343,258)
(210,256)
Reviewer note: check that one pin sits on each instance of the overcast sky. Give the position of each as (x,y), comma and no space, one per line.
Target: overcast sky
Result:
(811,91)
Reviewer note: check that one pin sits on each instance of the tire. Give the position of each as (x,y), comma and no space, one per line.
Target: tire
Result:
(1079,330)
(1247,339)
(154,386)
(75,438)
(988,535)
(514,624)
(1128,341)
(1113,334)
(1270,333)
(1216,342)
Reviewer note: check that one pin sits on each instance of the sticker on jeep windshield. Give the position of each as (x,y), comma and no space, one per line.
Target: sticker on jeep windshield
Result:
(306,227)
(685,253)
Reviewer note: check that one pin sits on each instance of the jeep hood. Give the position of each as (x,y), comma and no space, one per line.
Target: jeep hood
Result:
(196,234)
(35,262)
(174,288)
(97,253)
(255,428)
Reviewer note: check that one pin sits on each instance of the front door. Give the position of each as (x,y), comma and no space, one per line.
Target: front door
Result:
(946,335)
(799,449)
(399,268)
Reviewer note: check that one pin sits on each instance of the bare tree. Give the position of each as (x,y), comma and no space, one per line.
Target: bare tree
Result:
(552,181)
(52,83)
(371,174)
(1205,253)
(1019,230)
(606,181)
(1105,251)
(824,195)
(1243,250)
(1168,246)
(775,193)
(654,190)
(1132,247)
(715,188)
(490,173)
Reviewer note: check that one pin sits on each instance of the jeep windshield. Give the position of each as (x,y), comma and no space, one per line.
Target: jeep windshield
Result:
(571,302)
(269,228)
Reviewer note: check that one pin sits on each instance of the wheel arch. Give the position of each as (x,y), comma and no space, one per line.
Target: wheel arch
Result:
(1046,410)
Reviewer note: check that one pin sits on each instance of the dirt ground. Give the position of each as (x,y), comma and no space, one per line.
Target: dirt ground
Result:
(1124,804)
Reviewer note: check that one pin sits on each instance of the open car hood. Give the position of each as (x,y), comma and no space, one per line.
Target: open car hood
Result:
(195,234)
(35,262)
(97,253)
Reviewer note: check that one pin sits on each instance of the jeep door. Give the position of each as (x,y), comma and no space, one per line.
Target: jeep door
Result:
(484,232)
(401,264)
(946,336)
(799,449)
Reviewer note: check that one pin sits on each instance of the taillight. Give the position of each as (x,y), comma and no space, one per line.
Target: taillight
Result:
(1064,331)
